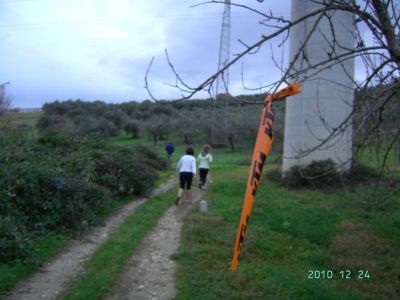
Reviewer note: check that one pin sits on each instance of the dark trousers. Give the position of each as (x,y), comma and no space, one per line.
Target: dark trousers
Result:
(203,176)
(185,180)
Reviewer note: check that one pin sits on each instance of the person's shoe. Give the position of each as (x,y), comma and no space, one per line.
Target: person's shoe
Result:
(200,185)
(177,200)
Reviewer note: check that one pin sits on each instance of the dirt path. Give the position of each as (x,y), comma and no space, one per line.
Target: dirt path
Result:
(150,272)
(57,273)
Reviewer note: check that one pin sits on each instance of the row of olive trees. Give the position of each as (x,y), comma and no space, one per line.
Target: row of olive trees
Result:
(190,120)
(194,125)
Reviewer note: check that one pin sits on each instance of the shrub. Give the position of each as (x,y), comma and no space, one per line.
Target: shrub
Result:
(124,171)
(35,199)
(60,182)
(74,203)
(49,122)
(53,139)
(317,174)
(323,173)
(360,173)
(15,241)
(46,198)
(150,157)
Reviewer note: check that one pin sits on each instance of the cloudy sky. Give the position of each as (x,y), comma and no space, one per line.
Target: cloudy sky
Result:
(100,49)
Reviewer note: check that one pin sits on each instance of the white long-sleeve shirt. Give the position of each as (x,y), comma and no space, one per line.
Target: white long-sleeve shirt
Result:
(187,163)
(204,161)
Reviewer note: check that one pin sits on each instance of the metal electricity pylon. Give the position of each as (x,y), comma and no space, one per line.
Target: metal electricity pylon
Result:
(222,81)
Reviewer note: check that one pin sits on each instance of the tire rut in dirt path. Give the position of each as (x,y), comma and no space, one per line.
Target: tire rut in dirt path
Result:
(150,272)
(56,274)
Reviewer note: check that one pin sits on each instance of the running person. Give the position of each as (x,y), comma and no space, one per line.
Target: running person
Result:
(204,159)
(186,168)
(169,148)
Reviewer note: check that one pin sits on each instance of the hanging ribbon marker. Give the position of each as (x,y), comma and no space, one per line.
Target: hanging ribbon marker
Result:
(261,150)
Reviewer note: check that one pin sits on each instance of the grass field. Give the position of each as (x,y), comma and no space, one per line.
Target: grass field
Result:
(23,119)
(293,237)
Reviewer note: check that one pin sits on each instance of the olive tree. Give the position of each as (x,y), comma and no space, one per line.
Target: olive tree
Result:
(188,126)
(157,127)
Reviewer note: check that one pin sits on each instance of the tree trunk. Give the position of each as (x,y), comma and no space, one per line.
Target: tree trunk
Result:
(230,139)
(378,147)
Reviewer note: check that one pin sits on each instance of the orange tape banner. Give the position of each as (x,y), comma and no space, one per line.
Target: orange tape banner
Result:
(261,150)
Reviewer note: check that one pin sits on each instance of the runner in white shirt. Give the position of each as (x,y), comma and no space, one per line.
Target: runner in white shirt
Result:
(186,168)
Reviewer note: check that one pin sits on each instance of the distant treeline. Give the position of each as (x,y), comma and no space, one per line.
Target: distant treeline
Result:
(28,110)
(191,120)
(235,123)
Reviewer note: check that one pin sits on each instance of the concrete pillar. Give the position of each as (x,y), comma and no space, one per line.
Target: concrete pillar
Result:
(327,97)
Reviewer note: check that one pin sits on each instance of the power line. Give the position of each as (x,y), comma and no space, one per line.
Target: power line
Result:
(33,26)
(14,1)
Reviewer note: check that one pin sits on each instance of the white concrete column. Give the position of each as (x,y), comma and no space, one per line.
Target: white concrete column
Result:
(327,97)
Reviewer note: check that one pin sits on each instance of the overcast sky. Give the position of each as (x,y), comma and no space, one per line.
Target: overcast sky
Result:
(100,49)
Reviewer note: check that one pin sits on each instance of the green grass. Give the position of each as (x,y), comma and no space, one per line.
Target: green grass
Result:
(103,267)
(164,176)
(290,232)
(23,119)
(370,157)
(29,119)
(123,139)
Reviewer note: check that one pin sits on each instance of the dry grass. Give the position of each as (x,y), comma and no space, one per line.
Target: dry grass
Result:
(236,177)
(355,247)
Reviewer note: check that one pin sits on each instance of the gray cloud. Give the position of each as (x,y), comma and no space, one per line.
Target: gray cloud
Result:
(84,54)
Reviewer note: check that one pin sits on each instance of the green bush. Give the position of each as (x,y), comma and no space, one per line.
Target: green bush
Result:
(73,203)
(53,139)
(361,173)
(60,182)
(150,157)
(323,174)
(317,174)
(45,198)
(15,240)
(48,122)
(123,172)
